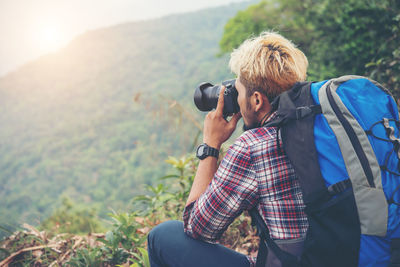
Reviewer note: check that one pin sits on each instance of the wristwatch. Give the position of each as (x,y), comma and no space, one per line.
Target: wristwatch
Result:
(204,150)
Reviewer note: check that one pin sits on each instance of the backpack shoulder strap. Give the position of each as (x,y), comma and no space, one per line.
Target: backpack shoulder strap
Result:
(295,118)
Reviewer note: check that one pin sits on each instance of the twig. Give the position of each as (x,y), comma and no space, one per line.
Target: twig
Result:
(189,116)
(9,259)
(77,243)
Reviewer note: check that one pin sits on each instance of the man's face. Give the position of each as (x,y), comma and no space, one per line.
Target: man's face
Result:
(248,113)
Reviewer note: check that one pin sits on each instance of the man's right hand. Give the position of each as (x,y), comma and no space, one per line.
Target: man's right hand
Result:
(216,129)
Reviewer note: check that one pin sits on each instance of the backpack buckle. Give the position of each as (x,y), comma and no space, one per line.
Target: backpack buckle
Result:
(302,112)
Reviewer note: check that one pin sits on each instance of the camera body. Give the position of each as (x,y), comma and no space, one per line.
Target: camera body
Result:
(206,97)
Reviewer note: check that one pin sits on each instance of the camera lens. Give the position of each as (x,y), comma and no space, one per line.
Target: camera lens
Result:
(206,97)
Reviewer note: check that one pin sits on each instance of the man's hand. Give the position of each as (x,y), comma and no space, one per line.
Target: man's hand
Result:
(216,129)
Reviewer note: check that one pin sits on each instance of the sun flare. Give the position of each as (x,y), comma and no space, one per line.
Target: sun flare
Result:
(50,37)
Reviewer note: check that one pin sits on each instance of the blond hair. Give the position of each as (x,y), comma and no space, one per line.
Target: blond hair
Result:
(268,63)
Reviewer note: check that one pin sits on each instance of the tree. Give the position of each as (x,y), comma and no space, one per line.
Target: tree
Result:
(339,37)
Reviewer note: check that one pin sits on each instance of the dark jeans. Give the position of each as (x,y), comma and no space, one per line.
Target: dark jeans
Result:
(169,246)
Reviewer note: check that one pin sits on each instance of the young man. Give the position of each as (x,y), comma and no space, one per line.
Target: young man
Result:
(254,173)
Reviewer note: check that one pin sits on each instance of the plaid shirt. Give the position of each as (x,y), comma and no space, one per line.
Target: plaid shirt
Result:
(254,172)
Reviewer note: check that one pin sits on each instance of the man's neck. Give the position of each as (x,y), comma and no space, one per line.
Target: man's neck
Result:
(265,114)
(265,118)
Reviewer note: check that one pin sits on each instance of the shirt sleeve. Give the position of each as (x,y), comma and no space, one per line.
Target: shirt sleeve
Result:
(232,190)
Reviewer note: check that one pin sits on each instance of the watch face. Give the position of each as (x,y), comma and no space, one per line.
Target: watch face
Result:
(203,151)
(200,151)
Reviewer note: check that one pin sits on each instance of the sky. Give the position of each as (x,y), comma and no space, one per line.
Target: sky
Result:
(31,28)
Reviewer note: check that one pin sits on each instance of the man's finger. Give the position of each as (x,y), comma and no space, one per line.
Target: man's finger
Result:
(220,104)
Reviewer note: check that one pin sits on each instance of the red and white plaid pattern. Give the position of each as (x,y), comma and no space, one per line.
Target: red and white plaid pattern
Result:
(254,172)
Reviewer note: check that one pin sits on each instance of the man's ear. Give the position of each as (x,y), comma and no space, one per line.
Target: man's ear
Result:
(258,101)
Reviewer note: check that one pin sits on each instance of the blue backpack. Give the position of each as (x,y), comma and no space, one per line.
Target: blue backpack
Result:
(342,138)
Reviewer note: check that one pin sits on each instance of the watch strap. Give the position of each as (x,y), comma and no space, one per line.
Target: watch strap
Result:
(204,150)
(210,151)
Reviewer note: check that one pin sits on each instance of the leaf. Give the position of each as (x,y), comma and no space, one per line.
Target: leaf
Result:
(145,257)
(110,236)
(123,218)
(171,160)
(169,177)
(142,198)
(370,64)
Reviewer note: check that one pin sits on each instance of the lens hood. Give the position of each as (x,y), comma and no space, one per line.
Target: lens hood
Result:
(201,103)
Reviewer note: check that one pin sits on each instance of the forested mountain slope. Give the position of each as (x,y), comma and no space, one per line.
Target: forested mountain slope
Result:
(96,120)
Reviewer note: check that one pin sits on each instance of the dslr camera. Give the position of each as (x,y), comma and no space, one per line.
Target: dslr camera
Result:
(206,97)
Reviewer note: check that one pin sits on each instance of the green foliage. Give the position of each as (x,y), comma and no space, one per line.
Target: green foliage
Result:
(124,231)
(143,258)
(386,67)
(339,37)
(125,243)
(285,16)
(87,257)
(166,201)
(356,33)
(70,218)
(244,25)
